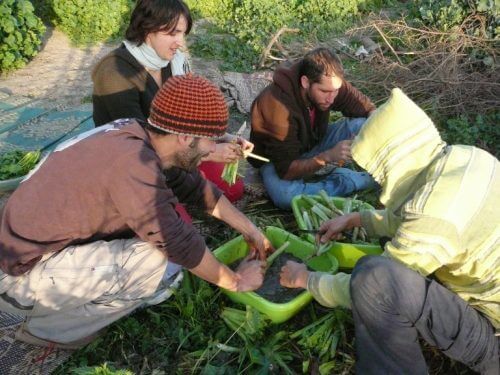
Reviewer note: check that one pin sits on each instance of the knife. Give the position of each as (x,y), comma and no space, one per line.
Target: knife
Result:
(347,235)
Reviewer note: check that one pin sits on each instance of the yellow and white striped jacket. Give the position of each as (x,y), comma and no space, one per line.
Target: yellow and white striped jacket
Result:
(442,203)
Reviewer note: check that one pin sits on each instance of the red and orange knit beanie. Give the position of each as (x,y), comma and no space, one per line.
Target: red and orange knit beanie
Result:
(189,105)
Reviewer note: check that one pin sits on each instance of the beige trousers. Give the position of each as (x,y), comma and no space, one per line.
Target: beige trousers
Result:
(74,293)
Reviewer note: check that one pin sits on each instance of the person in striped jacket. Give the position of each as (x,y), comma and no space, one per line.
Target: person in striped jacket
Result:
(438,277)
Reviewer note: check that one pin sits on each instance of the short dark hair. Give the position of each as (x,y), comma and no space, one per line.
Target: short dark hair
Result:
(321,61)
(146,125)
(150,16)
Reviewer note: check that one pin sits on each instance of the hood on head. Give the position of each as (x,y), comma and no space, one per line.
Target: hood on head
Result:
(397,142)
(287,78)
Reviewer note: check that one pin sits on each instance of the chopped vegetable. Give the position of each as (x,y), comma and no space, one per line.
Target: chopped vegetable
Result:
(230,172)
(17,163)
(247,324)
(322,337)
(316,210)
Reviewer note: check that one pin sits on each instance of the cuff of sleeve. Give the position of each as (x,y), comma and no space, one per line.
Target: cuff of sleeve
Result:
(191,255)
(366,222)
(330,290)
(212,196)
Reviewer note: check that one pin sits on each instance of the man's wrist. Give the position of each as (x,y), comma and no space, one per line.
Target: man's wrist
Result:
(319,160)
(354,220)
(251,233)
(303,279)
(234,283)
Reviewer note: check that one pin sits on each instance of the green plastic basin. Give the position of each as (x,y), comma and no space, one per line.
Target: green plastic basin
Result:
(347,254)
(277,312)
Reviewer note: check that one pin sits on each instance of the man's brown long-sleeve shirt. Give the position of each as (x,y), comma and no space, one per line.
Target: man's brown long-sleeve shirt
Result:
(101,187)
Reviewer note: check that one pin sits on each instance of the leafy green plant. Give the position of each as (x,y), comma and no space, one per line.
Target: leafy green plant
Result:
(43,9)
(263,352)
(99,370)
(20,33)
(479,130)
(17,163)
(233,53)
(322,337)
(446,14)
(88,21)
(253,22)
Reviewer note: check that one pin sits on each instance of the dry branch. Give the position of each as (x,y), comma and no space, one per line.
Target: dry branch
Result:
(274,40)
(437,69)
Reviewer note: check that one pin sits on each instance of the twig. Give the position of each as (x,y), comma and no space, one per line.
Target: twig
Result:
(267,50)
(422,31)
(387,42)
(442,76)
(276,58)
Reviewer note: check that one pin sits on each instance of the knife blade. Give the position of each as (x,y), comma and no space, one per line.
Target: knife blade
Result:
(347,235)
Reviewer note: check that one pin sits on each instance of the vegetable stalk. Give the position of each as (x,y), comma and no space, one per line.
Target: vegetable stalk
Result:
(230,172)
(277,253)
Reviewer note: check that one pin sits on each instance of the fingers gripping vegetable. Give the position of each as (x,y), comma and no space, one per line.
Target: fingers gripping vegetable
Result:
(321,209)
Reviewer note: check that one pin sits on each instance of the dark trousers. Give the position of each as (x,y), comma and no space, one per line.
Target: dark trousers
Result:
(393,304)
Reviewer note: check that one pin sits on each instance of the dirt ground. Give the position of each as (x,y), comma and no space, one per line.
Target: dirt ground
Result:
(60,71)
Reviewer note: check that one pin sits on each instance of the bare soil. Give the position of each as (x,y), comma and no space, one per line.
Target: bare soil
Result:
(59,72)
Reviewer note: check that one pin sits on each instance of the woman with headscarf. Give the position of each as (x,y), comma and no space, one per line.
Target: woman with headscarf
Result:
(127,79)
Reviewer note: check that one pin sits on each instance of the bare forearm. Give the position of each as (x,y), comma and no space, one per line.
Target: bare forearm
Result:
(301,168)
(211,270)
(226,212)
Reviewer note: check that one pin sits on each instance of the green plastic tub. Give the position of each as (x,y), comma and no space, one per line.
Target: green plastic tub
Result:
(347,254)
(277,312)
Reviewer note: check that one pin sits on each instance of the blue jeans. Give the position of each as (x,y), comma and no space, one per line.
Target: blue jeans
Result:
(340,182)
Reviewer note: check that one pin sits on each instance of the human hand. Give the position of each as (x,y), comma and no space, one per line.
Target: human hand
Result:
(246,146)
(225,153)
(332,229)
(250,274)
(294,275)
(259,245)
(340,153)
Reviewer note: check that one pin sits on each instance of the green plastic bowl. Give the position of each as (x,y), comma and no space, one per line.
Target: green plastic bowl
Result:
(347,254)
(277,312)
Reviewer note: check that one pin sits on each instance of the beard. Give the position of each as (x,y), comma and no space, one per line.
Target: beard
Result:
(317,105)
(190,159)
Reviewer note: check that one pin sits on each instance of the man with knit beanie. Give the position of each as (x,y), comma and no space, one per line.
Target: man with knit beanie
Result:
(91,234)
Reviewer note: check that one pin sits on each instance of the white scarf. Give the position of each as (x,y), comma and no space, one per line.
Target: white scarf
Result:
(147,57)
